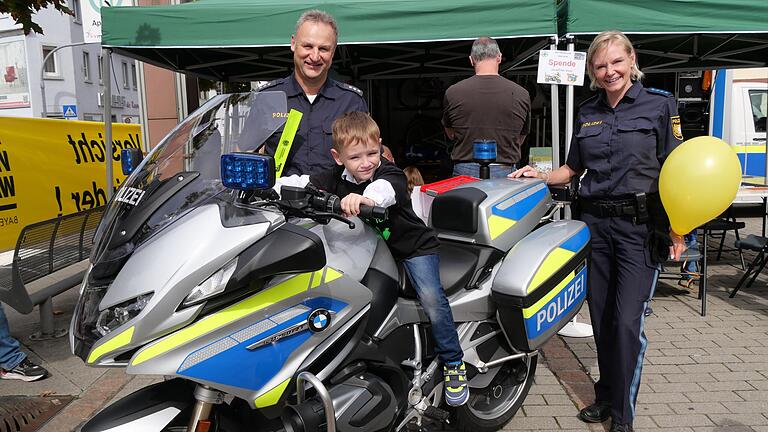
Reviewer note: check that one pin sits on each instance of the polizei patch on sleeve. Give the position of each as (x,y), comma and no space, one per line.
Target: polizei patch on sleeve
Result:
(677,129)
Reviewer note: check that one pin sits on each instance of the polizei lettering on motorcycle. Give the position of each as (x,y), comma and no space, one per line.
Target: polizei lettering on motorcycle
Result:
(130,195)
(556,308)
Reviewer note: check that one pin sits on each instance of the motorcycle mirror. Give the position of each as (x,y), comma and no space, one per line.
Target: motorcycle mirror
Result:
(247,171)
(130,158)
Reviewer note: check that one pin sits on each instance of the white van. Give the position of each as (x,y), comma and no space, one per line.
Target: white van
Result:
(738,110)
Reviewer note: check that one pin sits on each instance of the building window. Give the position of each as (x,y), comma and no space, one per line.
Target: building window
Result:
(75,6)
(86,66)
(51,67)
(125,75)
(101,69)
(133,76)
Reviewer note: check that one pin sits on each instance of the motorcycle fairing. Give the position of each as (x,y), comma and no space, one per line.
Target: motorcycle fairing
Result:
(155,268)
(238,326)
(232,360)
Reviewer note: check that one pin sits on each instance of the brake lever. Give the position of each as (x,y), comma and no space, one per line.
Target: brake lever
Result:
(337,217)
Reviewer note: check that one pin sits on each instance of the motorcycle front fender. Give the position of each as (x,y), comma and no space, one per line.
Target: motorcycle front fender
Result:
(149,409)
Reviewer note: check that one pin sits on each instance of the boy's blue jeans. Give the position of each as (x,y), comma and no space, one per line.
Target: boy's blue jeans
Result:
(424,273)
(10,355)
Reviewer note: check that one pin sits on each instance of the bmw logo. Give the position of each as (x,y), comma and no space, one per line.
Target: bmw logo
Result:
(319,320)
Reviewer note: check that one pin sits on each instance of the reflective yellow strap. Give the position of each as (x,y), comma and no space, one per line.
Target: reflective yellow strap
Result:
(286,140)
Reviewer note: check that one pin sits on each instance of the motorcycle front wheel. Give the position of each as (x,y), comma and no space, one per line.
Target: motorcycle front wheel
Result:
(491,407)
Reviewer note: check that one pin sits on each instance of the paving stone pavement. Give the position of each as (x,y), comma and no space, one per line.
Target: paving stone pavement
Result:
(700,373)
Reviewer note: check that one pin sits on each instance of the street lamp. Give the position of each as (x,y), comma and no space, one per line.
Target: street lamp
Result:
(44,111)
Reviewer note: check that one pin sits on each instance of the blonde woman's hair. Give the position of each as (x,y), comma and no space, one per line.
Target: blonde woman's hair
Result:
(414,177)
(603,40)
(354,127)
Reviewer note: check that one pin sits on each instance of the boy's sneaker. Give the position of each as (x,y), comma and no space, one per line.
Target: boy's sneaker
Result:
(25,371)
(456,390)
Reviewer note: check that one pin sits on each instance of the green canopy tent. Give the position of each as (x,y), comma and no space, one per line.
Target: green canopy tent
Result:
(676,35)
(242,40)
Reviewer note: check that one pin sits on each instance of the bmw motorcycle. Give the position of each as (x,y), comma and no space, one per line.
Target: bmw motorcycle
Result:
(275,313)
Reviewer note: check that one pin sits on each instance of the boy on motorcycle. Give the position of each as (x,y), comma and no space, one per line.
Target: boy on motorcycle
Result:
(363,177)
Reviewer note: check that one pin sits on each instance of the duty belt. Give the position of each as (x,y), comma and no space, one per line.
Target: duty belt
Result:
(604,208)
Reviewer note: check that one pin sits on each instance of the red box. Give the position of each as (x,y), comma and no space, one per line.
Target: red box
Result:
(442,186)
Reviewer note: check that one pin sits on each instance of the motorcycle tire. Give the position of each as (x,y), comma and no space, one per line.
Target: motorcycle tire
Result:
(490,408)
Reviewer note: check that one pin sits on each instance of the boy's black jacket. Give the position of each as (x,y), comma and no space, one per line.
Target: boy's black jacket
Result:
(408,236)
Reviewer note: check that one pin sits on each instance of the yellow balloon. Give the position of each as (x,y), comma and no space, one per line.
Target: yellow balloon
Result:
(698,182)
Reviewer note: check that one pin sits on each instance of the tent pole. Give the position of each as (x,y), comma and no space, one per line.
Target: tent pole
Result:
(569,105)
(107,77)
(555,121)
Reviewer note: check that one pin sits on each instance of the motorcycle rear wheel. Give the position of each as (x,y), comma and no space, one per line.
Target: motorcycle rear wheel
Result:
(491,407)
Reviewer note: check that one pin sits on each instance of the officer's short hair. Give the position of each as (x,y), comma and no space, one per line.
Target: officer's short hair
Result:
(601,41)
(318,16)
(484,48)
(354,127)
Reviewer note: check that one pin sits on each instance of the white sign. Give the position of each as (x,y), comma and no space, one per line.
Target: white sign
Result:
(14,91)
(69,111)
(561,67)
(92,18)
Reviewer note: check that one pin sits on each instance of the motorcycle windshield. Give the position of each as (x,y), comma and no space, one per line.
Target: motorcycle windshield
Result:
(154,195)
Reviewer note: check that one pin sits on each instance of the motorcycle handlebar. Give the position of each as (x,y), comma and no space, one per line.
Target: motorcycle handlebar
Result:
(332,204)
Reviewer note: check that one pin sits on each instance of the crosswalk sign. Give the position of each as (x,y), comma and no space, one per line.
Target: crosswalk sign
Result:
(70,111)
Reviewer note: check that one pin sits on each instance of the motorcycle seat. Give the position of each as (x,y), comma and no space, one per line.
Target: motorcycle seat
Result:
(457,265)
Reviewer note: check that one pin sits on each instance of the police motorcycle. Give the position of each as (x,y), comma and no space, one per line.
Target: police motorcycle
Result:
(275,313)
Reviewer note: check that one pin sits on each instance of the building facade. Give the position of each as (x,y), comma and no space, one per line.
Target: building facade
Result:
(72,75)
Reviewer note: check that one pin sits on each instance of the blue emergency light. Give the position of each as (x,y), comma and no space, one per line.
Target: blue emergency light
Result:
(484,151)
(130,158)
(247,171)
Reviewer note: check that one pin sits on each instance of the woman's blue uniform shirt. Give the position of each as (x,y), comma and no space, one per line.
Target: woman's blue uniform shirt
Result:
(622,148)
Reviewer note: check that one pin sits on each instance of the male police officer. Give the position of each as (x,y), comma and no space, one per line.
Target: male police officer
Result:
(320,99)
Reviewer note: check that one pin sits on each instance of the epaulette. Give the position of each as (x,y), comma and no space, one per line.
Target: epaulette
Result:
(349,87)
(589,99)
(658,91)
(268,84)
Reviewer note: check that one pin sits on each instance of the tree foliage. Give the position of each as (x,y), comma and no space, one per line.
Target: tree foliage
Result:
(22,11)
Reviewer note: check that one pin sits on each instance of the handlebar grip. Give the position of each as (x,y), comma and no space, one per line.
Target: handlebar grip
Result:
(374,212)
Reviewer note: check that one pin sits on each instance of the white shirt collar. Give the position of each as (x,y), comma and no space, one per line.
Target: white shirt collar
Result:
(346,175)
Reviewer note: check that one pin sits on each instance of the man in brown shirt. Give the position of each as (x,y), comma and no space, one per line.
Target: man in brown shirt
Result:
(486,106)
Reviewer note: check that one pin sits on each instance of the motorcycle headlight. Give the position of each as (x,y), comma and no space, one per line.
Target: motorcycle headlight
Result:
(211,286)
(115,316)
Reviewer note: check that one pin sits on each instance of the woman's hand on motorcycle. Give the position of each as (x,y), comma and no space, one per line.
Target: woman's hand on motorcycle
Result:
(350,204)
(526,171)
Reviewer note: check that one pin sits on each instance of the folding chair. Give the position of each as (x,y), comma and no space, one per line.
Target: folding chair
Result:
(692,254)
(754,243)
(721,226)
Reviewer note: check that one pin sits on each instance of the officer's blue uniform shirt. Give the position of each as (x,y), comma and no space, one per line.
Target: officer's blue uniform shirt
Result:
(311,149)
(622,148)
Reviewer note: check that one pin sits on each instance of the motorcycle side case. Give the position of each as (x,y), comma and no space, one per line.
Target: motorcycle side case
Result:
(542,283)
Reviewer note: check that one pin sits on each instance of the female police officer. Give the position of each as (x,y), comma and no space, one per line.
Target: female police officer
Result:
(622,136)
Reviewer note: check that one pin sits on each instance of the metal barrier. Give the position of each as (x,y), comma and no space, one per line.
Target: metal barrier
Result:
(50,257)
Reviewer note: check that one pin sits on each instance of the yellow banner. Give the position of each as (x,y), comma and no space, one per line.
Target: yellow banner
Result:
(51,167)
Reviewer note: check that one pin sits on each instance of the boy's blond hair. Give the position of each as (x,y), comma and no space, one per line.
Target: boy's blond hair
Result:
(354,127)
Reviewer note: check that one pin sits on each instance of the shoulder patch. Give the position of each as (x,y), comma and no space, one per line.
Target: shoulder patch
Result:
(269,84)
(350,87)
(658,91)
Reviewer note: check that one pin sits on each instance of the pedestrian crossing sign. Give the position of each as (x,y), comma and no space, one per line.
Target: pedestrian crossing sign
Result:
(70,111)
